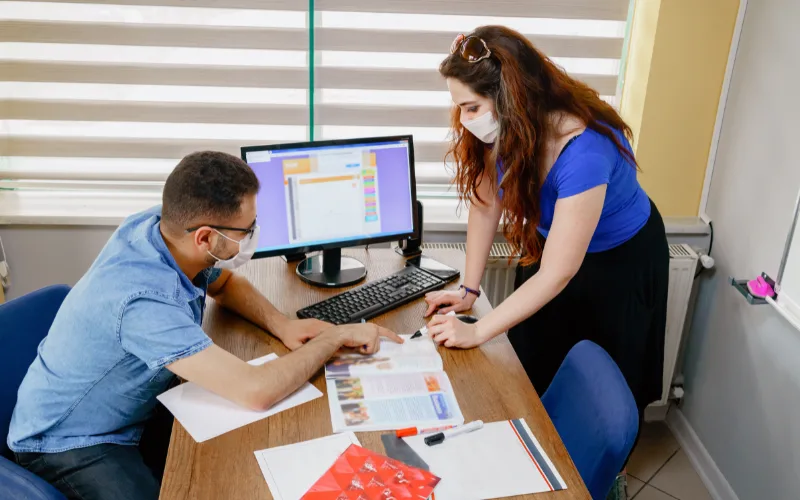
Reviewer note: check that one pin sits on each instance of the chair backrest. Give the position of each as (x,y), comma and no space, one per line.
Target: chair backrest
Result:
(595,414)
(19,484)
(25,322)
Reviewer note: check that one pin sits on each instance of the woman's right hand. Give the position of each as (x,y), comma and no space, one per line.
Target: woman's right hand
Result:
(445,301)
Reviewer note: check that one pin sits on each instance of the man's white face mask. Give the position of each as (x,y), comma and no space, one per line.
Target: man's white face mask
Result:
(247,247)
(483,127)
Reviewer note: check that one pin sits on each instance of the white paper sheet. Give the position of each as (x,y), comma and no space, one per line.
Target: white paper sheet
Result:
(291,470)
(206,415)
(492,462)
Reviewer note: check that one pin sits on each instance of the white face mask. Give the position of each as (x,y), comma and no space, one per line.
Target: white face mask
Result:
(483,127)
(247,247)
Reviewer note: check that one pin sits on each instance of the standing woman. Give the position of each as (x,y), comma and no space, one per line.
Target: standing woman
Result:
(542,151)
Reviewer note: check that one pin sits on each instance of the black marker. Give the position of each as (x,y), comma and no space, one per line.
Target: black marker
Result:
(439,437)
(424,330)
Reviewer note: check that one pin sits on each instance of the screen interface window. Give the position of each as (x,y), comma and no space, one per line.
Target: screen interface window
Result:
(331,194)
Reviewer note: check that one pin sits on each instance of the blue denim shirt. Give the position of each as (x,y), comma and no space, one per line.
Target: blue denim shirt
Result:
(97,373)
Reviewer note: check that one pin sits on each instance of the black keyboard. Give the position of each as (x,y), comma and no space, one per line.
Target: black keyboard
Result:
(374,298)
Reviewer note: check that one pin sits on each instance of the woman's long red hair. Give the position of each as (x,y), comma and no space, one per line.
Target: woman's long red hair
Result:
(527,89)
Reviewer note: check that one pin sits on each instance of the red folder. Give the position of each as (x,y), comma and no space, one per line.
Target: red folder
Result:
(360,474)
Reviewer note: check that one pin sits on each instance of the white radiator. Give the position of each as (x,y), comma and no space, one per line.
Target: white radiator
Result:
(498,283)
(683,263)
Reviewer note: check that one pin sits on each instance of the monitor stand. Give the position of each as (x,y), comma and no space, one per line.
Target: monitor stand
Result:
(331,270)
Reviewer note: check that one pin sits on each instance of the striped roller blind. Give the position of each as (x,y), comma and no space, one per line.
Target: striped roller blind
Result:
(100,99)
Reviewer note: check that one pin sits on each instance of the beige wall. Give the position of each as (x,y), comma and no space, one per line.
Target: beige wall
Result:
(676,64)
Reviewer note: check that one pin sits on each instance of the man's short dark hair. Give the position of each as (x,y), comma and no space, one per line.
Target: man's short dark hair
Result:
(206,187)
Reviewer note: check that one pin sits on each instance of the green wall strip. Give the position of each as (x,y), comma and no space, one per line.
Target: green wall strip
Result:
(311,64)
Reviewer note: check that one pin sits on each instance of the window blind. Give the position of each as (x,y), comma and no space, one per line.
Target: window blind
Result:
(100,99)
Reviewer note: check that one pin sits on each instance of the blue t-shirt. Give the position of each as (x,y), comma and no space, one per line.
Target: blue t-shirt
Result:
(592,160)
(97,373)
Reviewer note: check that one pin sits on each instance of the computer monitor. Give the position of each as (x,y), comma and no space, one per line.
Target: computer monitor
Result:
(327,195)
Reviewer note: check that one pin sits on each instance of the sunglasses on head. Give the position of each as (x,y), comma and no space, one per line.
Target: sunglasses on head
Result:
(472,48)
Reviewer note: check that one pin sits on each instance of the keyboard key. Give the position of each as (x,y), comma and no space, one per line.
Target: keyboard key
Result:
(364,313)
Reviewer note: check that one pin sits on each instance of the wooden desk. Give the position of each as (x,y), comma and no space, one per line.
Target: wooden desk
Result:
(489,382)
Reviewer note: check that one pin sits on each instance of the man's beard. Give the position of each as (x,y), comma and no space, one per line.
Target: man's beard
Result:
(218,249)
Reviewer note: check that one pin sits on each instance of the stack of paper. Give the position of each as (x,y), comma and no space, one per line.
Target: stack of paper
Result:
(206,415)
(500,460)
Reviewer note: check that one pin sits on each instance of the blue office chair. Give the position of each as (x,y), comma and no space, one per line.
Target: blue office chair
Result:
(595,414)
(20,484)
(25,322)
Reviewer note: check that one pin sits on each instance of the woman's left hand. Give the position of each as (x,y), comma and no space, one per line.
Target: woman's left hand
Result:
(452,332)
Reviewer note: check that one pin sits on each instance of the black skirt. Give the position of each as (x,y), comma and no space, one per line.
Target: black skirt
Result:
(618,299)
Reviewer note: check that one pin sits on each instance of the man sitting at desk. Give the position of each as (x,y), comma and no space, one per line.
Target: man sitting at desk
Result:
(133,322)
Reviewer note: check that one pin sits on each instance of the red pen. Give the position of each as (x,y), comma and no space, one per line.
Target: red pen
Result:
(413,431)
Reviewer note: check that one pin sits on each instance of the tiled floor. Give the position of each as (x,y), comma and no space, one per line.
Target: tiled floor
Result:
(660,470)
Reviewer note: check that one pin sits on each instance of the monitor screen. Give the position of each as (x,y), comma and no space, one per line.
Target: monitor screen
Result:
(332,194)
